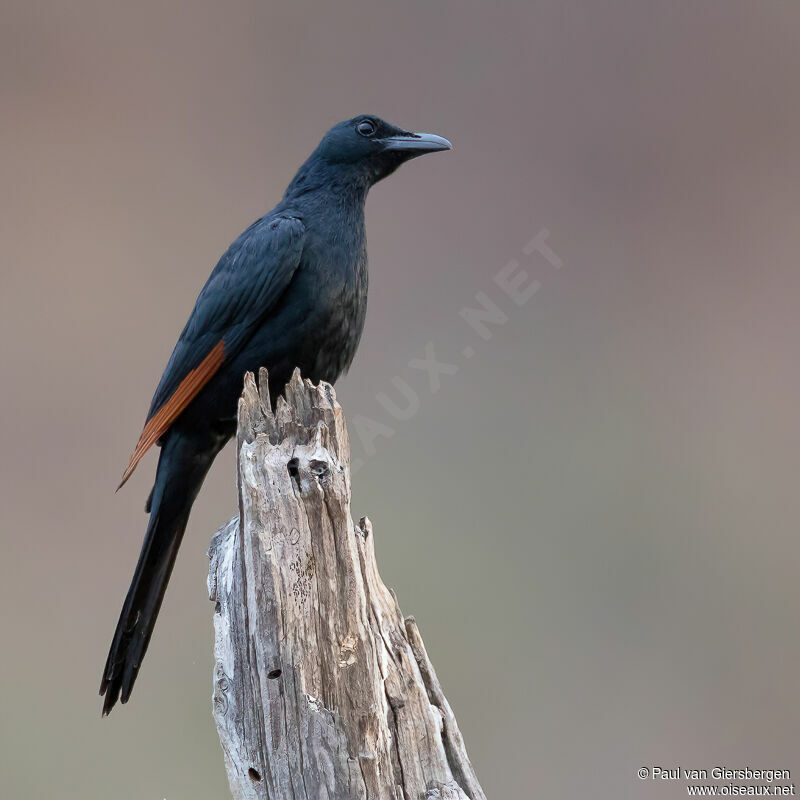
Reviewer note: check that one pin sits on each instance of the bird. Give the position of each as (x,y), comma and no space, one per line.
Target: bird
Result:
(289,293)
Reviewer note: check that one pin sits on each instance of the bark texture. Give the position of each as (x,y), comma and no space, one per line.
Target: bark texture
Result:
(322,689)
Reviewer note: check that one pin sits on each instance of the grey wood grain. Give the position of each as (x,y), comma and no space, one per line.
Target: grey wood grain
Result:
(322,689)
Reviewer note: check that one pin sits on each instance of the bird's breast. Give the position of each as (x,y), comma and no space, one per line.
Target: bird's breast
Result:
(331,284)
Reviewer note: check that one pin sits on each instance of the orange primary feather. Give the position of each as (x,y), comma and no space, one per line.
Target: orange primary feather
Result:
(187,390)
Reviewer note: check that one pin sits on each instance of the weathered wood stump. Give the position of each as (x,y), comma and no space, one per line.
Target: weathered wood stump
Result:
(322,689)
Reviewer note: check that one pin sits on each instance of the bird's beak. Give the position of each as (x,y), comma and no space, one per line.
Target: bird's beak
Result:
(417,143)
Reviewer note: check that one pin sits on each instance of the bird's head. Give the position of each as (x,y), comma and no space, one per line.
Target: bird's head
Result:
(373,148)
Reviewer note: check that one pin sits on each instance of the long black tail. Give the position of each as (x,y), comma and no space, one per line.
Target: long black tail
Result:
(182,466)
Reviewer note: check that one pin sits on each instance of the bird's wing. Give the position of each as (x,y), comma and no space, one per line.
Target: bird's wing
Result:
(241,291)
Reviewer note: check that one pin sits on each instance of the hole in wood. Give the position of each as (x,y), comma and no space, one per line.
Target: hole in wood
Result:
(274,673)
(254,774)
(293,466)
(319,468)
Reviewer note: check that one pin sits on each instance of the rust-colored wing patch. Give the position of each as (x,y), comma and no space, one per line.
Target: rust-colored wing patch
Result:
(188,388)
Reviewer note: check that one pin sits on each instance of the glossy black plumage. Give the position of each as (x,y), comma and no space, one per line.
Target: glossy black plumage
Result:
(290,292)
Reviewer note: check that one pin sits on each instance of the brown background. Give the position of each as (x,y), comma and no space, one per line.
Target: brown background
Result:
(594,520)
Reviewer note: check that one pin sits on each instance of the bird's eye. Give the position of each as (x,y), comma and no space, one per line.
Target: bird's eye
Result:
(366,127)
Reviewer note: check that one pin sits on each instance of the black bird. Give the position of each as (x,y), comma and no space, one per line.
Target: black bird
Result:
(290,292)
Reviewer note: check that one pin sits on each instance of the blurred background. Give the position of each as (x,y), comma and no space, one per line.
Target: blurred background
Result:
(594,519)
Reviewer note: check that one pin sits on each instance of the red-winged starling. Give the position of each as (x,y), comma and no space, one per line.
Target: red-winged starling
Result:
(290,292)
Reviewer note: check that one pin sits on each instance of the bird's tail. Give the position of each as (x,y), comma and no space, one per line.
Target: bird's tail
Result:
(182,466)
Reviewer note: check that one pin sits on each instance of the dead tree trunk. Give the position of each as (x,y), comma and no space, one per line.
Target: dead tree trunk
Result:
(322,689)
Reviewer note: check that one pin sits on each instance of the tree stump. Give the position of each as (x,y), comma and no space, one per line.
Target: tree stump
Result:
(322,689)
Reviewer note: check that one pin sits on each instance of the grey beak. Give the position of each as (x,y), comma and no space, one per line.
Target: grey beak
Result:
(421,142)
